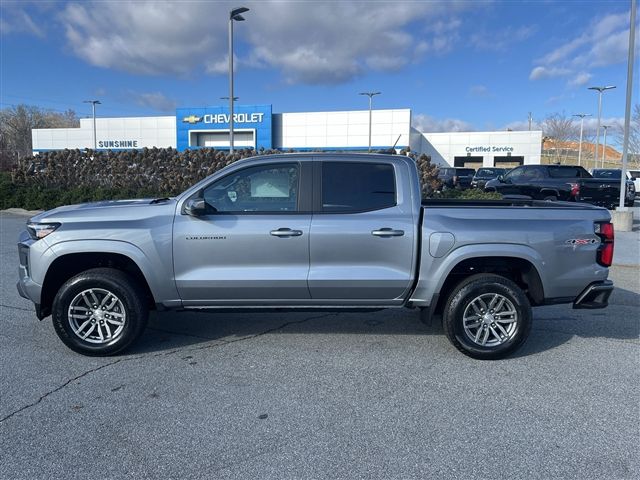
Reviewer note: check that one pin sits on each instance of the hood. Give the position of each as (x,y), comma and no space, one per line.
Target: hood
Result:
(107,209)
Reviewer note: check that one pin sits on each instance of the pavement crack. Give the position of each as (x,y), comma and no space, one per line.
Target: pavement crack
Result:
(162,330)
(16,308)
(58,388)
(218,343)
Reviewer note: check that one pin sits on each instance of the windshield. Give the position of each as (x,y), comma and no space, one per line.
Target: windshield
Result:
(465,172)
(607,174)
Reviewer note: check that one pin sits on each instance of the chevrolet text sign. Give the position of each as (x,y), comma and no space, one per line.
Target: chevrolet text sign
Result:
(237,118)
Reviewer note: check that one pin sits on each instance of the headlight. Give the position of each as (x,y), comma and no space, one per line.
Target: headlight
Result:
(41,230)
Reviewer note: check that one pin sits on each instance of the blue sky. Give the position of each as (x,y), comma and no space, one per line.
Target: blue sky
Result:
(457,65)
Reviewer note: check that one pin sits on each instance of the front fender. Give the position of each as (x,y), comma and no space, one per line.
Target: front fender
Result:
(160,281)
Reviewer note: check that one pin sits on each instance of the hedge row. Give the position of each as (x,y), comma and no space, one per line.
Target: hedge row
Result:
(73,176)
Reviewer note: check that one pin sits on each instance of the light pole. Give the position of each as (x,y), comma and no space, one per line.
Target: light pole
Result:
(370,95)
(93,107)
(599,90)
(581,115)
(627,109)
(235,14)
(604,147)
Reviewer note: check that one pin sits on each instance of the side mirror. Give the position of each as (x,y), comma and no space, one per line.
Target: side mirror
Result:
(195,207)
(501,178)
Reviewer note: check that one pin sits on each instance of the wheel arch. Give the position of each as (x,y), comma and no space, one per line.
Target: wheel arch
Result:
(519,270)
(520,263)
(549,192)
(68,265)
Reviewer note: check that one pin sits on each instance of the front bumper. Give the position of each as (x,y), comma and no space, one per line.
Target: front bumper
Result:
(595,295)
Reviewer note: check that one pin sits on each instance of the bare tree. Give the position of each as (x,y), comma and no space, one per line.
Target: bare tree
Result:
(634,135)
(559,129)
(16,124)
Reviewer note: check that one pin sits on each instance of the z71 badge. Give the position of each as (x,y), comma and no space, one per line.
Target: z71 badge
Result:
(581,241)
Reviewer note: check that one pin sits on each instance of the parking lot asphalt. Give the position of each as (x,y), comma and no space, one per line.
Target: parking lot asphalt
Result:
(356,395)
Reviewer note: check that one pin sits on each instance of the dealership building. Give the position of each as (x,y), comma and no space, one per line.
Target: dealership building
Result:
(256,126)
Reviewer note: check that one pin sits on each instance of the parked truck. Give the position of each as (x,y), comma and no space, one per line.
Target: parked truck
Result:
(314,231)
(561,182)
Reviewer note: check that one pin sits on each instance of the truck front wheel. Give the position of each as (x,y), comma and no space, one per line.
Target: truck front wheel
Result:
(99,312)
(487,316)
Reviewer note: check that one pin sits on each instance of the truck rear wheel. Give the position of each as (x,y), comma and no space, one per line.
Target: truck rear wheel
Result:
(487,317)
(99,312)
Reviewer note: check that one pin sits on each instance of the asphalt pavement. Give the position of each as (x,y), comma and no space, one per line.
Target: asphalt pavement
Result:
(302,395)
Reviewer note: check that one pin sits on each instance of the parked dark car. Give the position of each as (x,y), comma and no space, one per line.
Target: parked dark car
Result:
(459,178)
(615,174)
(557,182)
(484,174)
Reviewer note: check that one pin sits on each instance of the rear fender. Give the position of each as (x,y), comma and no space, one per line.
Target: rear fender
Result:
(433,272)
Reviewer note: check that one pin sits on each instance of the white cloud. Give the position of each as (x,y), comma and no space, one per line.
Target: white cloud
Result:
(479,91)
(143,37)
(604,42)
(580,79)
(155,101)
(428,124)
(14,19)
(539,73)
(501,39)
(309,42)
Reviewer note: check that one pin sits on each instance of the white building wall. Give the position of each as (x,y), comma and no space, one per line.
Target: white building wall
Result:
(444,147)
(144,131)
(345,129)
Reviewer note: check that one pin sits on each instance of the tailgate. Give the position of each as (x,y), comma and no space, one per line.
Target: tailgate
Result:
(601,191)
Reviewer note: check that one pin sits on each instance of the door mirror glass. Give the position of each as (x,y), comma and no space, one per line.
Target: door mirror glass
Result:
(195,207)
(501,178)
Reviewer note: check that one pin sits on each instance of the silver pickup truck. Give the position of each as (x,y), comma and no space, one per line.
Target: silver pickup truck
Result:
(314,231)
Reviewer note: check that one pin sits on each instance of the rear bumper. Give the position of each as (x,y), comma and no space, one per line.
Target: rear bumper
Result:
(595,295)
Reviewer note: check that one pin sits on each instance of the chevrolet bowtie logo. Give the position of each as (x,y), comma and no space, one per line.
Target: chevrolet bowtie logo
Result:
(192,119)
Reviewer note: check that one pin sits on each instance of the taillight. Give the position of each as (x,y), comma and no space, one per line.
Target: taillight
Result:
(575,189)
(604,255)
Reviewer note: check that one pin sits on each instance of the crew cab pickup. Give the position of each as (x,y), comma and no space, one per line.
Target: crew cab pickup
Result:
(558,182)
(314,231)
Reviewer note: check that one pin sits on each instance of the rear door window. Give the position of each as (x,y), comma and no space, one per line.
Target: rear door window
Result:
(567,172)
(349,187)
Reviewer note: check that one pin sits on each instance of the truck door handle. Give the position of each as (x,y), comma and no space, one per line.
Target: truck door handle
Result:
(286,232)
(387,232)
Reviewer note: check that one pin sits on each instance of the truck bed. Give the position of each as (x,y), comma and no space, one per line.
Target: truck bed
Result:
(507,202)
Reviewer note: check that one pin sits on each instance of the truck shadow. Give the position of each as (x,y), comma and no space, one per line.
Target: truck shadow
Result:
(553,326)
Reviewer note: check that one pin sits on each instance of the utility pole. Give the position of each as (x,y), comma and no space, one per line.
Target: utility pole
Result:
(581,115)
(627,112)
(530,120)
(93,108)
(370,95)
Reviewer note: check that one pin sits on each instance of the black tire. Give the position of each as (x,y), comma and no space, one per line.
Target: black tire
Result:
(551,198)
(129,308)
(492,286)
